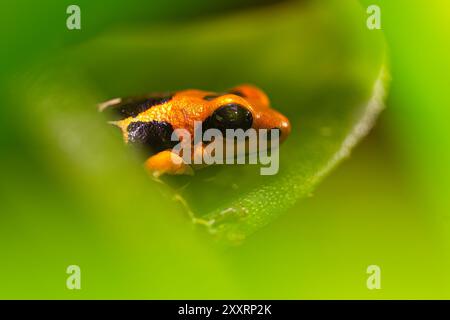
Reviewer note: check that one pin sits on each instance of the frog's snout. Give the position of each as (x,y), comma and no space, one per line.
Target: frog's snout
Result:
(282,124)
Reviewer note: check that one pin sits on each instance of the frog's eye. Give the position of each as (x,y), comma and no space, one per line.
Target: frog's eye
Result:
(230,116)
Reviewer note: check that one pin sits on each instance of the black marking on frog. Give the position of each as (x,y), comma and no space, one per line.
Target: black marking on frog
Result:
(132,107)
(153,136)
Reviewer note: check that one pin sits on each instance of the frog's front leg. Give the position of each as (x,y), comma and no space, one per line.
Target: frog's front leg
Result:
(167,162)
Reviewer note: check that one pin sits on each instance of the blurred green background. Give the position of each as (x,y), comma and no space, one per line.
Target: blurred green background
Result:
(70,194)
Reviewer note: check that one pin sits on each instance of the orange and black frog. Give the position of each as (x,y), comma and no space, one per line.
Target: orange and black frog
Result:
(149,121)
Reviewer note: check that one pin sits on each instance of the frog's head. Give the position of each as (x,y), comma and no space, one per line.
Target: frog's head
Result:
(245,107)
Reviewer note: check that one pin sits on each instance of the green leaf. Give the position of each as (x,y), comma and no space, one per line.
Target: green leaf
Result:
(316,60)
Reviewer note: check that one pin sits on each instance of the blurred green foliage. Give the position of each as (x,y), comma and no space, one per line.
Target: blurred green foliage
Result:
(71,195)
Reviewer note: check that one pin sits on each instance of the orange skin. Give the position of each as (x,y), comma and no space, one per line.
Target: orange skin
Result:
(188,106)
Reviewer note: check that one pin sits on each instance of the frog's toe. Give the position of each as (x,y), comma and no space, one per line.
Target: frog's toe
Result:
(166,162)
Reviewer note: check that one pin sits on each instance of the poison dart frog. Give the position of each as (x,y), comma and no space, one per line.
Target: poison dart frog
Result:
(148,121)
